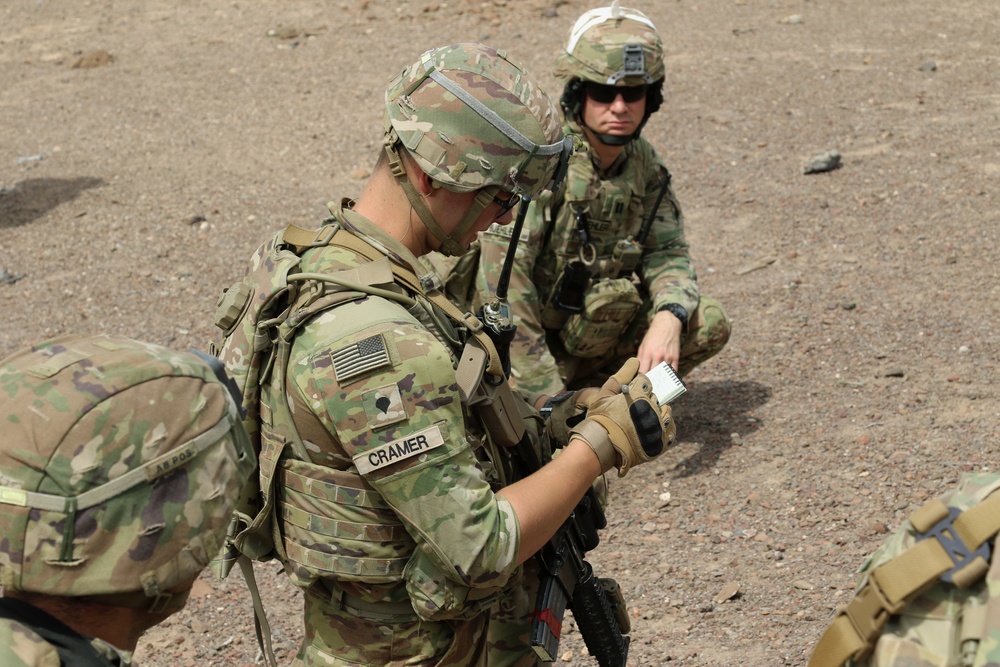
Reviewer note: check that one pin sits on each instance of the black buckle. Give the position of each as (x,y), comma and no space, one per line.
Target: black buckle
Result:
(947,537)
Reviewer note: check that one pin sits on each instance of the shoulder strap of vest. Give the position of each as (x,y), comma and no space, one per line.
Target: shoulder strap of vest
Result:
(74,649)
(951,545)
(305,238)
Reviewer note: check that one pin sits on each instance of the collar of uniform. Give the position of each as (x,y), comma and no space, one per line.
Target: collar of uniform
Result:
(375,235)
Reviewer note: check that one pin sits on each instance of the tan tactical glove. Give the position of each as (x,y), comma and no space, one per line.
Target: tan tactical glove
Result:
(624,424)
(565,410)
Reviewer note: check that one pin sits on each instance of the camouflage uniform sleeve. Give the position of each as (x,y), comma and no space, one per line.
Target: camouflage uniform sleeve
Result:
(22,647)
(533,367)
(396,412)
(667,270)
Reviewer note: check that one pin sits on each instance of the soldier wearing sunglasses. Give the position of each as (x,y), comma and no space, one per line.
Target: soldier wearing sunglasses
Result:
(603,270)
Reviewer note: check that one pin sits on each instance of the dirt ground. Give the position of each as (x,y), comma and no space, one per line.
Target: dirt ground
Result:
(858,383)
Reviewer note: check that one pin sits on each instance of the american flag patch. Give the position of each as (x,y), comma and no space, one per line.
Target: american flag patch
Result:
(360,357)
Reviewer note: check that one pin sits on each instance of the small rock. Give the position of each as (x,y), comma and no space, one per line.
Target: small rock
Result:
(28,159)
(802,585)
(728,592)
(8,278)
(827,161)
(736,439)
(92,59)
(964,349)
(359,173)
(929,66)
(285,33)
(793,19)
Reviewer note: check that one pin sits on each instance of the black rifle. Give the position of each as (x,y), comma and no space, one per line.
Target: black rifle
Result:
(567,580)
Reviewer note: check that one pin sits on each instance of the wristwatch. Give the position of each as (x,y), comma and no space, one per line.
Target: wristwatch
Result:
(677,310)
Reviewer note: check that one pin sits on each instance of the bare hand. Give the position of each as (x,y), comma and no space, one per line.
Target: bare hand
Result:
(662,342)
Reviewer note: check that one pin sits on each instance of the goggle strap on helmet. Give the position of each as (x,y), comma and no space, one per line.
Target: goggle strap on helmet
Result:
(596,17)
(158,467)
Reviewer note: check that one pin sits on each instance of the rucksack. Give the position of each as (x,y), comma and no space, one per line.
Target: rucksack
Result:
(929,596)
(260,316)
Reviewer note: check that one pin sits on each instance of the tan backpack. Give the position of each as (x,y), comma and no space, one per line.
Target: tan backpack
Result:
(930,596)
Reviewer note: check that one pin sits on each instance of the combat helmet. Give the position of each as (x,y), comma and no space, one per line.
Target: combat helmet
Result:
(473,120)
(120,464)
(613,46)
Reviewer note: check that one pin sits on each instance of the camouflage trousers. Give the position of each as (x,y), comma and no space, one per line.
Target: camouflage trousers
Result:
(338,637)
(707,333)
(510,622)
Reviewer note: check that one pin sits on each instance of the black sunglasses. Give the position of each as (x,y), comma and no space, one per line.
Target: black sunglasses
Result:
(506,204)
(603,94)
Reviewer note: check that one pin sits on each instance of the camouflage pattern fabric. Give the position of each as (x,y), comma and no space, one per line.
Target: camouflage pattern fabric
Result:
(595,48)
(943,626)
(391,524)
(119,463)
(616,204)
(21,646)
(430,98)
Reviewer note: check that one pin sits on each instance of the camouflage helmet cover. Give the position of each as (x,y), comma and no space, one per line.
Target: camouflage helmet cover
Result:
(612,45)
(472,118)
(120,463)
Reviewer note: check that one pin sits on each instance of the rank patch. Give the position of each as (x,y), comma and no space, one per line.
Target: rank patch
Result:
(361,357)
(399,450)
(384,406)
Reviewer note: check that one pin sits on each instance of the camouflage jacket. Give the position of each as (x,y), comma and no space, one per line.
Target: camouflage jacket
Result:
(22,643)
(615,204)
(395,503)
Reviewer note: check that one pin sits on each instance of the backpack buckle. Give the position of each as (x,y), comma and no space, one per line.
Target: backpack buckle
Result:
(953,545)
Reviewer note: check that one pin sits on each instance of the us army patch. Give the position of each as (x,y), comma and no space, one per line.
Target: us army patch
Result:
(384,406)
(358,358)
(399,450)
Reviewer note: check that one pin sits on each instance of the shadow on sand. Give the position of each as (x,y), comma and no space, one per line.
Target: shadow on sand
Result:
(710,413)
(34,197)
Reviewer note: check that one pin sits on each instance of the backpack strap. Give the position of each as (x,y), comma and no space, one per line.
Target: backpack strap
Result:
(952,545)
(333,235)
(74,649)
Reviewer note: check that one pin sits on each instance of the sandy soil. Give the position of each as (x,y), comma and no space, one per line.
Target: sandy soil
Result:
(860,377)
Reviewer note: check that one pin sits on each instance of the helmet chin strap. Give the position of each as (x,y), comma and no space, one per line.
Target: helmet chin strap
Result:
(614,139)
(449,242)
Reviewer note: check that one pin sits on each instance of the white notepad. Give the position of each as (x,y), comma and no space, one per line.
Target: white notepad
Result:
(666,385)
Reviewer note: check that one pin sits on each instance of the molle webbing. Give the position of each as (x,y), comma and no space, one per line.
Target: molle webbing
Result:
(306,238)
(951,545)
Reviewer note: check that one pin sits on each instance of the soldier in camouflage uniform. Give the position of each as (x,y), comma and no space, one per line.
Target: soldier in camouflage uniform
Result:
(930,595)
(591,285)
(119,467)
(391,502)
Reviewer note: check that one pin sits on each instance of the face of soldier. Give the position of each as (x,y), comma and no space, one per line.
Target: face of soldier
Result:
(613,110)
(500,210)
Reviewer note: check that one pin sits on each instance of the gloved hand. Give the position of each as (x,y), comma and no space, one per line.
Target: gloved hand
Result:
(625,426)
(564,411)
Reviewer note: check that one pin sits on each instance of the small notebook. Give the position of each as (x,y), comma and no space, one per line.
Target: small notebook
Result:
(666,385)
